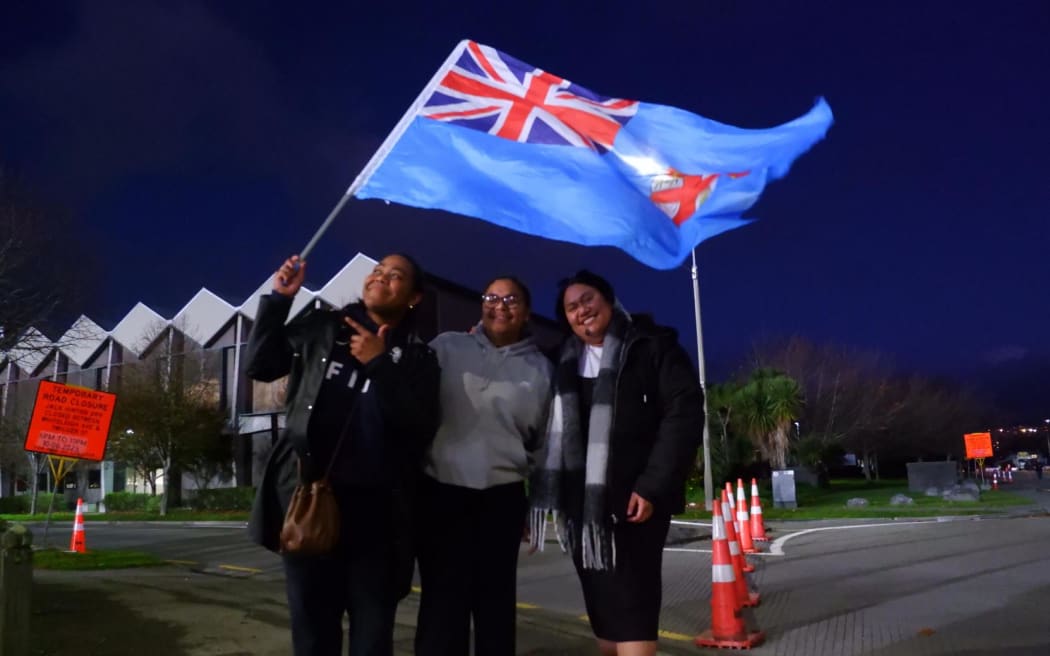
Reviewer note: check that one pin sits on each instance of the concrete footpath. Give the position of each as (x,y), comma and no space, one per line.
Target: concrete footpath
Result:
(175,612)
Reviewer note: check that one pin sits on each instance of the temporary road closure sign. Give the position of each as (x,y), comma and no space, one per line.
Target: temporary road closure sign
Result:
(978,445)
(72,422)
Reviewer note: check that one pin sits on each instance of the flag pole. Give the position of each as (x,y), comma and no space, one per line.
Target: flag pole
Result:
(387,145)
(708,483)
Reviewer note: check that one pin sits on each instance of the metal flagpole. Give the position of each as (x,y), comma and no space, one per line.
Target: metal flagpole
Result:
(708,483)
(385,148)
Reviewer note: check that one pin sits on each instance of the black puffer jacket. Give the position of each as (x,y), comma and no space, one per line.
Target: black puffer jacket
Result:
(658,420)
(405,382)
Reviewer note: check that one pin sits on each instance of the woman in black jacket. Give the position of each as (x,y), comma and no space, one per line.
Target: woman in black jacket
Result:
(362,405)
(626,421)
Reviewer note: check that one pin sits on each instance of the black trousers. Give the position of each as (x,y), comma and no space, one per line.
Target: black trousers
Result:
(355,580)
(468,562)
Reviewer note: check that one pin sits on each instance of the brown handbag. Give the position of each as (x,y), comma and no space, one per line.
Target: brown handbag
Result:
(311,525)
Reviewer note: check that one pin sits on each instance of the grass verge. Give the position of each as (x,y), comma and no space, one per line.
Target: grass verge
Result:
(93,559)
(830,503)
(175,515)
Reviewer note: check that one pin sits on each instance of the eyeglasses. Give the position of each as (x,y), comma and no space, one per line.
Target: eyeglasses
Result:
(492,300)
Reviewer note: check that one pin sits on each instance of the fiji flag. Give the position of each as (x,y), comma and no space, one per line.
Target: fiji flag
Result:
(496,139)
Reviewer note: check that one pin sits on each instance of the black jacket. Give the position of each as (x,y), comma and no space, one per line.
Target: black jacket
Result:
(658,420)
(405,381)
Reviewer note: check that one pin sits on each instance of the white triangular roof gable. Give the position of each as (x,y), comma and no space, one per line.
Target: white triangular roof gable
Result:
(346,285)
(203,317)
(31,351)
(82,340)
(250,307)
(304,298)
(138,329)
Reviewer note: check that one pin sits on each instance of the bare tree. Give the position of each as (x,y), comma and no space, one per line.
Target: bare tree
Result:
(12,453)
(37,274)
(856,401)
(167,416)
(847,392)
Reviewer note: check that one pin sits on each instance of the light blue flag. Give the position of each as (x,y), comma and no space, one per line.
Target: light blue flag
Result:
(499,140)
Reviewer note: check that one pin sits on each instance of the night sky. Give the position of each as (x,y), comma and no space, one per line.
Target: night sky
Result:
(198,143)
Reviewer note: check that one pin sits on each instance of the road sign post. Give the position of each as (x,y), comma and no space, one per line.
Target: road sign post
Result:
(978,447)
(68,424)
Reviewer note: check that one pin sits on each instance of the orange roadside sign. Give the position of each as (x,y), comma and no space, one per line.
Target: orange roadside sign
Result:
(68,421)
(978,445)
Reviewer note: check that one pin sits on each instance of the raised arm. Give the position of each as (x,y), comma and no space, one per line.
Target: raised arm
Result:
(268,355)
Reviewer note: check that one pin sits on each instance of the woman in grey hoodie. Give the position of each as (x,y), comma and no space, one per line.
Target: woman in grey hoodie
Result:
(495,391)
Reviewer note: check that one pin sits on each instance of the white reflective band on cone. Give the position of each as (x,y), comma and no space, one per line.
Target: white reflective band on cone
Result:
(722,574)
(718,529)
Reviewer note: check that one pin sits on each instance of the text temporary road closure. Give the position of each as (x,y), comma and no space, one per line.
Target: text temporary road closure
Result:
(978,445)
(70,421)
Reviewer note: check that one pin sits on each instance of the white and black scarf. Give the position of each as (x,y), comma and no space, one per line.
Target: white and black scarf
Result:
(571,476)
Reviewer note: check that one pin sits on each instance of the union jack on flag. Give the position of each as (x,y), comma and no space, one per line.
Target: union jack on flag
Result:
(489,91)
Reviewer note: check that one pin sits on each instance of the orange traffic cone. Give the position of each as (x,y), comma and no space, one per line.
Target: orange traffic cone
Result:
(740,565)
(727,511)
(76,543)
(743,519)
(727,626)
(758,527)
(1009,475)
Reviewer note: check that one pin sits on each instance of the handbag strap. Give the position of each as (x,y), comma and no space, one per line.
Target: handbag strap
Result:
(338,444)
(335,451)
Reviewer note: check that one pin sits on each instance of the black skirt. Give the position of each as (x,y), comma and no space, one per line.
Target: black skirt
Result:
(623,604)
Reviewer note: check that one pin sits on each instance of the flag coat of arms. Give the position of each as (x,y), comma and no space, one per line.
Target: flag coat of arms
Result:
(497,139)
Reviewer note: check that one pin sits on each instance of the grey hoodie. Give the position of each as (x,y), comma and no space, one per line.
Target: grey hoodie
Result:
(494,404)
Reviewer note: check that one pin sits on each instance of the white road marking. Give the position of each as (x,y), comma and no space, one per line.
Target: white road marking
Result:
(682,522)
(776,548)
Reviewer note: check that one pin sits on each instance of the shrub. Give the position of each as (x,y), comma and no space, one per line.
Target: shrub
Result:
(130,502)
(223,498)
(18,505)
(43,502)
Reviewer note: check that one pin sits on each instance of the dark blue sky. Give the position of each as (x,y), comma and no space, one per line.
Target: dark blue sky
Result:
(200,142)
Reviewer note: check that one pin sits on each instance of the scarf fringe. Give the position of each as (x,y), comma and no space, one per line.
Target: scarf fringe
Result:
(598,548)
(538,529)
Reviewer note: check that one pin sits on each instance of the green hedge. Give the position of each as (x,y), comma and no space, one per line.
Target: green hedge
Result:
(223,498)
(131,502)
(19,505)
